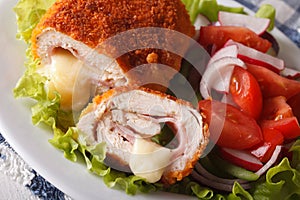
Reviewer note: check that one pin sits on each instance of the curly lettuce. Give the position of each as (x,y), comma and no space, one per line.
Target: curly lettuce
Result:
(29,13)
(282,182)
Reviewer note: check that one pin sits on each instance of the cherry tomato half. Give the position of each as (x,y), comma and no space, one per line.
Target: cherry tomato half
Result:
(238,130)
(246,92)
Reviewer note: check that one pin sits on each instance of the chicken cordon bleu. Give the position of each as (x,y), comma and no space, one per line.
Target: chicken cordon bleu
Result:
(127,119)
(68,41)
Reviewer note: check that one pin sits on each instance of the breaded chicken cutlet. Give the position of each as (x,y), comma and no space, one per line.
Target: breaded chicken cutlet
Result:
(127,118)
(82,27)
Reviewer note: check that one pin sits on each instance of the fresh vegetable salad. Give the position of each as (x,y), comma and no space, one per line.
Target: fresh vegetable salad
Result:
(244,87)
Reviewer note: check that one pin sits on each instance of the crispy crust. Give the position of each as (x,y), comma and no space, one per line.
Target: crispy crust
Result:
(173,177)
(94,21)
(115,91)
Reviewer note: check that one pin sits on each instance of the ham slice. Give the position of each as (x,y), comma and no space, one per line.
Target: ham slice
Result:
(126,119)
(85,28)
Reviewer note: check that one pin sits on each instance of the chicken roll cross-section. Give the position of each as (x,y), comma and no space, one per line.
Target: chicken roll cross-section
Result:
(80,27)
(127,120)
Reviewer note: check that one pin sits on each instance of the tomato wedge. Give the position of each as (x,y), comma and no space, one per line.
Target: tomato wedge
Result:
(217,36)
(289,127)
(238,130)
(273,136)
(245,92)
(276,108)
(294,103)
(272,84)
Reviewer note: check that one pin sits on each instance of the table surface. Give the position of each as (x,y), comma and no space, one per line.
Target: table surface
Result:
(19,181)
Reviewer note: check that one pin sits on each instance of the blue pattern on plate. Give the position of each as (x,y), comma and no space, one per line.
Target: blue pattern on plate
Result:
(293,34)
(248,4)
(39,186)
(1,139)
(44,190)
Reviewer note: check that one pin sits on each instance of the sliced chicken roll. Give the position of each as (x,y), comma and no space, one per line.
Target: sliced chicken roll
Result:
(134,124)
(83,27)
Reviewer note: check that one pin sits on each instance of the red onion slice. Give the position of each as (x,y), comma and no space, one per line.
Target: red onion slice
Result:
(275,46)
(217,76)
(201,170)
(290,73)
(253,56)
(228,51)
(272,160)
(220,186)
(257,25)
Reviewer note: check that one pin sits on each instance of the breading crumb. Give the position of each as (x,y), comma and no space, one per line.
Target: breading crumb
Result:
(152,58)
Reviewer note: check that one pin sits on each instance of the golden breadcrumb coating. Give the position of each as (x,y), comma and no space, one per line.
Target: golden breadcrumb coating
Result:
(173,177)
(94,21)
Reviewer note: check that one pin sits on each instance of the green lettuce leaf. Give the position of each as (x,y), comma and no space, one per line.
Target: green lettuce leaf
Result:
(208,8)
(189,187)
(131,184)
(45,111)
(93,155)
(296,155)
(282,182)
(232,9)
(205,193)
(269,12)
(239,193)
(29,13)
(31,84)
(65,142)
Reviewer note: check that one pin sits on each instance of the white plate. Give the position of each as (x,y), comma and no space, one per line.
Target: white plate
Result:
(31,142)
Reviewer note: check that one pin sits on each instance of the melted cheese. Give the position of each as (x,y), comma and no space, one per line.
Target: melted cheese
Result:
(67,77)
(149,160)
